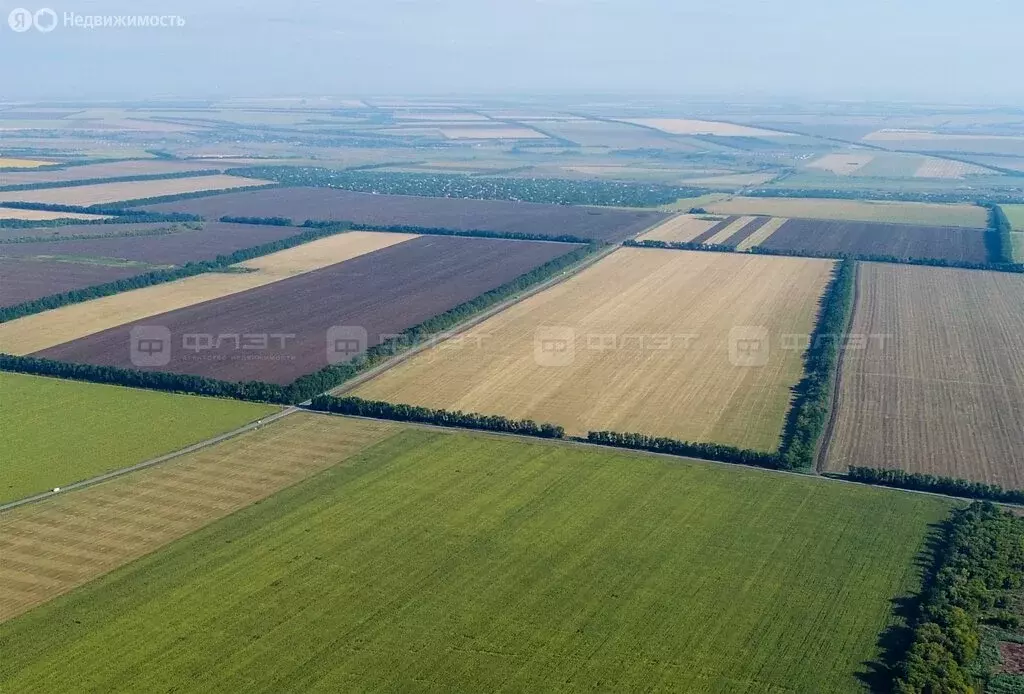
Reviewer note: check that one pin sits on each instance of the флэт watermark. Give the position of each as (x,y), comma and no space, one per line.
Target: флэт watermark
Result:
(46,20)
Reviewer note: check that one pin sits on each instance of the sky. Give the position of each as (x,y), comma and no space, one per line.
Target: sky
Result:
(947,51)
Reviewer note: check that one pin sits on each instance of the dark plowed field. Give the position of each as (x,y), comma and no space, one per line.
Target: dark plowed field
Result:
(383,293)
(702,238)
(77,230)
(25,280)
(874,238)
(746,232)
(300,204)
(178,248)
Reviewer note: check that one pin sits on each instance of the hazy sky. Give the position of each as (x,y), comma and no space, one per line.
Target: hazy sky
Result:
(948,50)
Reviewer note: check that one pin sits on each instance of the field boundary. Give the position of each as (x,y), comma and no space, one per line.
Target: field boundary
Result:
(43,185)
(826,437)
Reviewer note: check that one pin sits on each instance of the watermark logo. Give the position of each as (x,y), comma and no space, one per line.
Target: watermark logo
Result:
(46,20)
(345,342)
(554,346)
(749,346)
(22,20)
(150,345)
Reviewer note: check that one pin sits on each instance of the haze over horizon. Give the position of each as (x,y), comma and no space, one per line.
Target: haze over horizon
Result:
(879,50)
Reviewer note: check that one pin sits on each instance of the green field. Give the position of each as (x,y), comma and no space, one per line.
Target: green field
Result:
(453,562)
(58,432)
(1015,213)
(1018,245)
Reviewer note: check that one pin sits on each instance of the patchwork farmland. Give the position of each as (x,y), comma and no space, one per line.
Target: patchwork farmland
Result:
(50,548)
(648,336)
(59,432)
(586,568)
(179,245)
(70,231)
(40,331)
(107,193)
(930,214)
(300,204)
(957,244)
(113,169)
(938,386)
(46,216)
(377,294)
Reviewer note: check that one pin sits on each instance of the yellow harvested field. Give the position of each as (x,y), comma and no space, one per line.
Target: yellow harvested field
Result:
(682,228)
(762,234)
(933,167)
(687,126)
(50,328)
(843,164)
(728,231)
(51,547)
(105,193)
(660,342)
(45,216)
(12,163)
(961,215)
(474,133)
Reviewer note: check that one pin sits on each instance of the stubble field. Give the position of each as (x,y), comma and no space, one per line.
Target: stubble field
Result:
(58,432)
(931,214)
(939,384)
(106,193)
(647,336)
(44,215)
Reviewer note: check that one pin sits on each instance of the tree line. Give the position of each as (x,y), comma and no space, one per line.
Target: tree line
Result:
(441,231)
(555,191)
(705,451)
(865,257)
(118,215)
(886,195)
(978,567)
(998,241)
(56,237)
(811,408)
(410,413)
(924,482)
(148,279)
(266,221)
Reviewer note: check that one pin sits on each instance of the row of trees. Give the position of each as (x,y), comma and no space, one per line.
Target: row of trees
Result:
(866,257)
(265,221)
(148,279)
(542,190)
(881,194)
(998,241)
(979,565)
(409,413)
(111,179)
(924,482)
(56,236)
(706,451)
(118,215)
(811,408)
(441,231)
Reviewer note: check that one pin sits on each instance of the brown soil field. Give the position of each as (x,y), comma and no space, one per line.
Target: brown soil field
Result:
(941,388)
(737,228)
(50,328)
(681,228)
(104,193)
(961,215)
(45,216)
(25,280)
(300,204)
(51,547)
(183,246)
(381,293)
(842,164)
(746,232)
(706,236)
(71,231)
(646,340)
(867,238)
(113,169)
